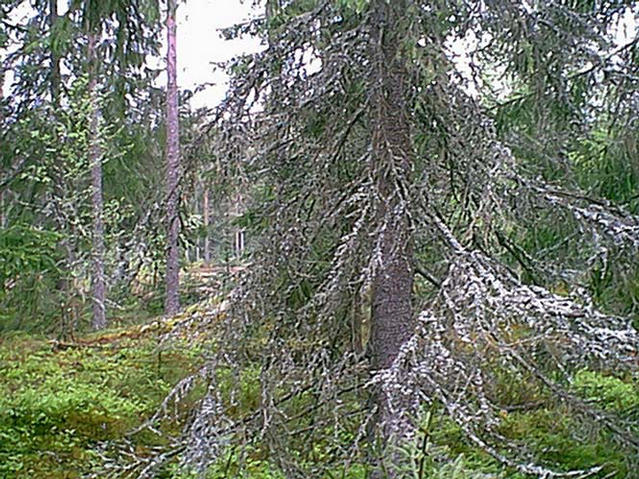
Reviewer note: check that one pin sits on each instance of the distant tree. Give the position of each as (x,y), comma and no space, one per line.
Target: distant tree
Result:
(107,41)
(2,178)
(172,305)
(59,179)
(54,51)
(95,160)
(206,222)
(96,18)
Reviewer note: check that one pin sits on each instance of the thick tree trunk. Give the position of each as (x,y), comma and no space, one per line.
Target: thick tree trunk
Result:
(95,160)
(172,304)
(392,157)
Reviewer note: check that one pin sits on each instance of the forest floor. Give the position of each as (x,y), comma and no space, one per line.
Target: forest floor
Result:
(59,400)
(63,402)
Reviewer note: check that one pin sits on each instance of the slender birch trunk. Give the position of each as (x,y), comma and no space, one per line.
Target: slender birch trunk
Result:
(98,289)
(172,304)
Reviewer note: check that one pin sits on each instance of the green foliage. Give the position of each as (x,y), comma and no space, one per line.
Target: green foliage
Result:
(463,467)
(45,140)
(608,392)
(57,405)
(252,463)
(356,6)
(25,249)
(550,431)
(52,193)
(29,260)
(57,185)
(604,166)
(248,466)
(563,442)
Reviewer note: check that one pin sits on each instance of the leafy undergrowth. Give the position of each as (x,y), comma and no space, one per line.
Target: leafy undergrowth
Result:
(60,401)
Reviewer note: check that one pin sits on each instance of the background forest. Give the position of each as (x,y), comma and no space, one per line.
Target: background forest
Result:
(405,244)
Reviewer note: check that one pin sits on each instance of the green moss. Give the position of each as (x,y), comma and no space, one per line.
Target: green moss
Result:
(608,392)
(553,433)
(55,406)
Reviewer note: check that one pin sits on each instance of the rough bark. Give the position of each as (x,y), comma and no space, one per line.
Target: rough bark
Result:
(98,284)
(392,157)
(172,304)
(1,94)
(3,217)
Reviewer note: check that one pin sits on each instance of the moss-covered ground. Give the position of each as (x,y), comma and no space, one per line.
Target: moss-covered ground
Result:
(60,401)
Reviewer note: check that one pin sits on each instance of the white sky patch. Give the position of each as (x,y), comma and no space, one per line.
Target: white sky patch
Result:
(200,46)
(459,49)
(627,27)
(20,15)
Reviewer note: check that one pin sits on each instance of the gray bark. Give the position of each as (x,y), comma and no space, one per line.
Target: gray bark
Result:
(172,304)
(1,94)
(3,216)
(392,158)
(205,211)
(98,284)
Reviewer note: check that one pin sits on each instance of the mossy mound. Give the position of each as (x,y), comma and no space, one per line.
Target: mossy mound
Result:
(58,402)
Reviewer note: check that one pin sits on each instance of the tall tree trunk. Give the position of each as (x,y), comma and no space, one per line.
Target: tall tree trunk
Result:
(1,95)
(205,212)
(238,236)
(3,216)
(70,309)
(55,58)
(95,159)
(172,304)
(392,157)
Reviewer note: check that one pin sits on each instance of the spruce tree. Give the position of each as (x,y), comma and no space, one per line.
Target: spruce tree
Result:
(400,185)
